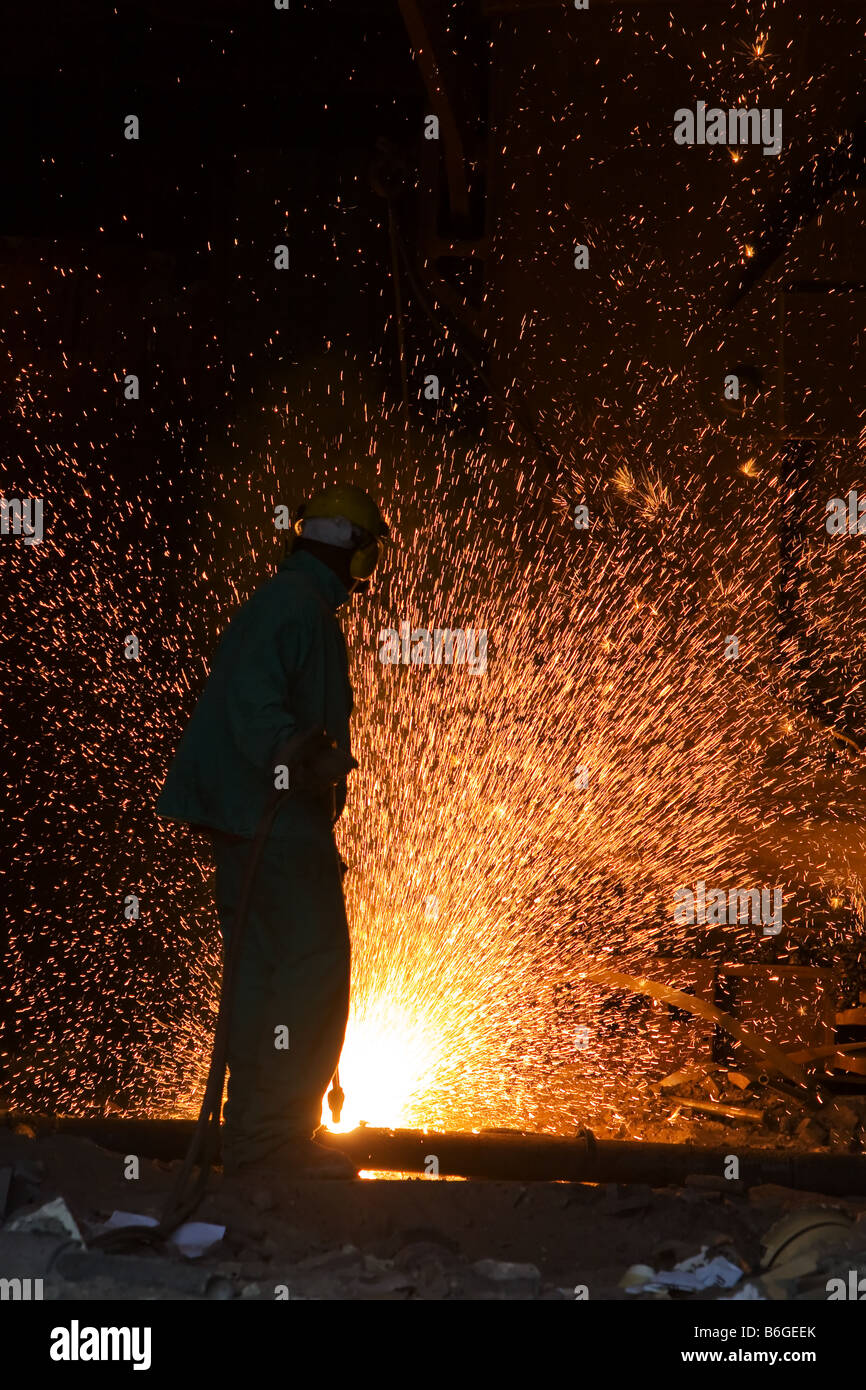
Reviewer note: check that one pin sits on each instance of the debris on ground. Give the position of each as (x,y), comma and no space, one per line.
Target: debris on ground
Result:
(421,1239)
(52,1219)
(692,1275)
(191,1239)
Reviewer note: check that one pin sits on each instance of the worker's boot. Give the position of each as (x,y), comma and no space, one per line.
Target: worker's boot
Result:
(295,1159)
(305,1158)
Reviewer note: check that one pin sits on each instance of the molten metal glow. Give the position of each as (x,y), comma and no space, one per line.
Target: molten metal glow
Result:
(388,1061)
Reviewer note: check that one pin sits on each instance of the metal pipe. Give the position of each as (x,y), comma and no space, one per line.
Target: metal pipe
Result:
(505,1155)
(520,1157)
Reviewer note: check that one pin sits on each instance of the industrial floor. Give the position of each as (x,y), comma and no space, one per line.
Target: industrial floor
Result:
(402,1239)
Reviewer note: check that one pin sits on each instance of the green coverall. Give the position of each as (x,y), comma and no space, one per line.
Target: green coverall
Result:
(281,668)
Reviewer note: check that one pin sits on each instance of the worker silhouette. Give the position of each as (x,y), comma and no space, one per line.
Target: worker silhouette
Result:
(274,714)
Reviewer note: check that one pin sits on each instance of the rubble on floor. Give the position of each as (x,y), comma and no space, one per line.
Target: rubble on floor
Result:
(418,1239)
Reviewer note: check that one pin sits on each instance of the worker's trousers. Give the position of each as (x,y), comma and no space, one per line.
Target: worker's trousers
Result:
(291,994)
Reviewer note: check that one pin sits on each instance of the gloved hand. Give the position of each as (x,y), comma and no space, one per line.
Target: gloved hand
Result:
(319,772)
(314,761)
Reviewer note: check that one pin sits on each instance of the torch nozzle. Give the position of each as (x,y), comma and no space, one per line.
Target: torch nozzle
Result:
(336,1098)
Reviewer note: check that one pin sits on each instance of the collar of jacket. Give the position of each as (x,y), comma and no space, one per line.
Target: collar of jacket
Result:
(324,580)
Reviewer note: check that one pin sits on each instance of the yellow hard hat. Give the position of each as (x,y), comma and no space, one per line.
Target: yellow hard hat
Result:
(358,507)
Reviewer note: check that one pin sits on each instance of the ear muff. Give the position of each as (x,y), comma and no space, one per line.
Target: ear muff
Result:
(295,533)
(364,561)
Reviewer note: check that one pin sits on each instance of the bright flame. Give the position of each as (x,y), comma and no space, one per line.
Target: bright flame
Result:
(386,1058)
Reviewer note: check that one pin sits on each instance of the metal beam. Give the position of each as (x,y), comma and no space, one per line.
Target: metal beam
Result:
(419,26)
